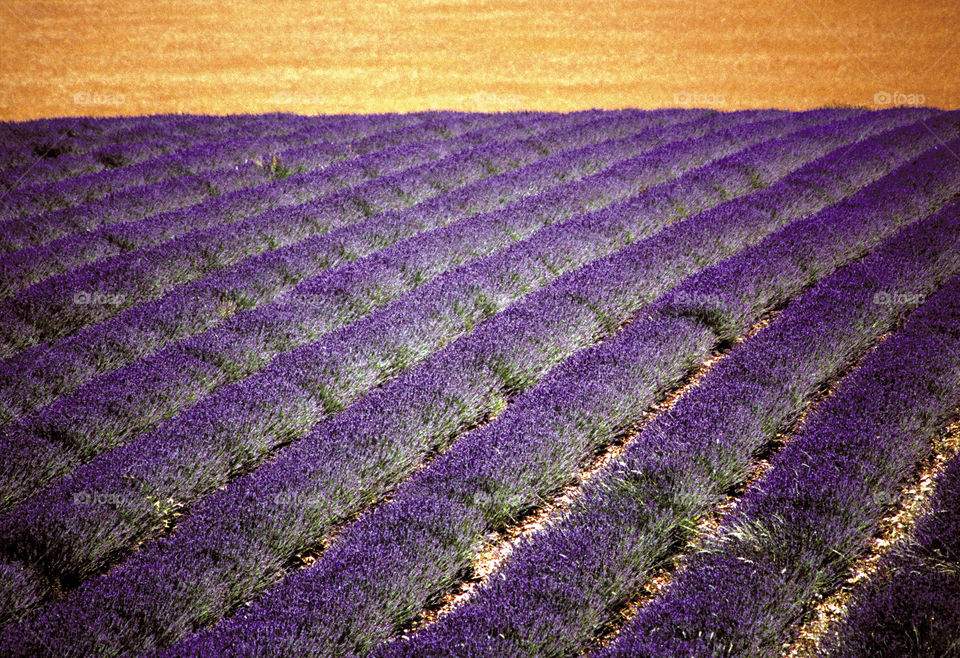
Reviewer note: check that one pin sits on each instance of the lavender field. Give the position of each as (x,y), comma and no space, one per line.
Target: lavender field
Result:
(611,383)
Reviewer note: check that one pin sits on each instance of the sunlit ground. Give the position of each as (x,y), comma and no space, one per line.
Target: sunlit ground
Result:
(103,57)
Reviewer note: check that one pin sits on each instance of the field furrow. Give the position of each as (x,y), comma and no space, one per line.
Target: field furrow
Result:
(910,606)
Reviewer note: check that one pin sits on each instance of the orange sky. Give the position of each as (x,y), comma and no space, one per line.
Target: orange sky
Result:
(99,57)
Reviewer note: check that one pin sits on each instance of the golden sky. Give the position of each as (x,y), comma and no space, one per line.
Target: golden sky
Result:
(106,57)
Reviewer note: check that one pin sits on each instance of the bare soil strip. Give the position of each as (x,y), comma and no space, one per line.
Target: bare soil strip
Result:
(500,547)
(820,624)
(710,527)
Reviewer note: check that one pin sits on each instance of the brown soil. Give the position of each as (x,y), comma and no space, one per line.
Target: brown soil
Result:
(143,57)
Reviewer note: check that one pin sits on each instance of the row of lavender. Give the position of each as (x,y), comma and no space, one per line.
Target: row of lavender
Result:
(508,381)
(34,455)
(130,238)
(540,604)
(191,302)
(321,304)
(384,325)
(47,310)
(35,151)
(381,230)
(387,567)
(85,133)
(183,149)
(138,202)
(52,165)
(227,149)
(24,141)
(508,389)
(647,490)
(61,157)
(48,174)
(320,172)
